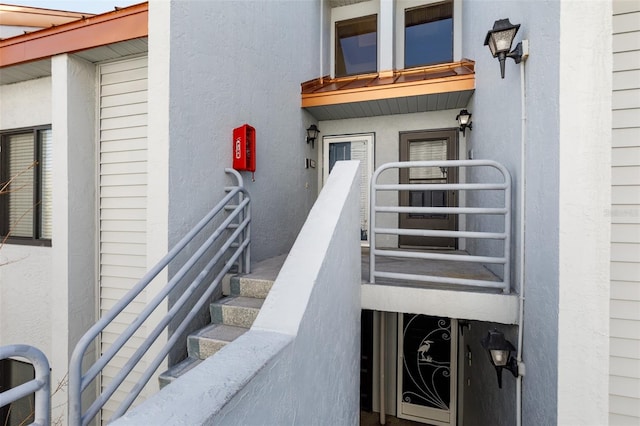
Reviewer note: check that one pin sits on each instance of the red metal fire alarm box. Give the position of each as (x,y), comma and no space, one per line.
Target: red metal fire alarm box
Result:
(244,148)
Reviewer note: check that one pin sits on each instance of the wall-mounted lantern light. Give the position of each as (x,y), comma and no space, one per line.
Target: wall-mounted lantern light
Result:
(500,352)
(499,40)
(464,120)
(312,134)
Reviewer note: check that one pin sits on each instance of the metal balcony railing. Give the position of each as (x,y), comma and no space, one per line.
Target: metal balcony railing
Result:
(503,210)
(232,236)
(40,385)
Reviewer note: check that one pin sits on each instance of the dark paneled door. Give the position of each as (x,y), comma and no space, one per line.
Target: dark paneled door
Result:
(428,146)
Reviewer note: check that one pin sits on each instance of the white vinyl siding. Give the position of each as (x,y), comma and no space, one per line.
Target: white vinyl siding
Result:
(122,209)
(624,365)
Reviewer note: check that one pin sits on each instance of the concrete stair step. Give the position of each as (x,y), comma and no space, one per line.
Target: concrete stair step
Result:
(239,311)
(250,287)
(211,339)
(258,283)
(231,316)
(177,370)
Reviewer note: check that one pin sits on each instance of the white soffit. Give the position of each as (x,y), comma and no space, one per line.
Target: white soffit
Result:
(338,3)
(42,68)
(401,105)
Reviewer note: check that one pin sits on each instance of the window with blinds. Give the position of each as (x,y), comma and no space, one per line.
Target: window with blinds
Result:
(434,150)
(25,173)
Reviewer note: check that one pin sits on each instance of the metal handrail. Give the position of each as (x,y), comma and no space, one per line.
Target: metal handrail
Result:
(40,384)
(235,244)
(504,210)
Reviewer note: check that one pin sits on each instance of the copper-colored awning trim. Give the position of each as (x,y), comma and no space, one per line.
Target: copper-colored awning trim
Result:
(36,17)
(452,77)
(113,27)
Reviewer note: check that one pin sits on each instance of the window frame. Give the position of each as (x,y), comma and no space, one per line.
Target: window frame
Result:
(361,20)
(344,13)
(35,239)
(402,6)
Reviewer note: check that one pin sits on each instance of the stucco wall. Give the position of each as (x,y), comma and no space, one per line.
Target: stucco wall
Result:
(496,134)
(25,289)
(25,279)
(316,379)
(567,176)
(73,282)
(299,364)
(25,104)
(233,63)
(584,199)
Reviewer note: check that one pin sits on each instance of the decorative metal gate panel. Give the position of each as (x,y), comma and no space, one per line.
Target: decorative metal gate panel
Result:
(427,369)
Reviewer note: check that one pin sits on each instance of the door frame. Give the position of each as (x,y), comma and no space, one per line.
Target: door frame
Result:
(452,198)
(370,141)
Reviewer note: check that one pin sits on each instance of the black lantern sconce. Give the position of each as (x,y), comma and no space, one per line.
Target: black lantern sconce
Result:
(464,120)
(312,134)
(500,353)
(499,40)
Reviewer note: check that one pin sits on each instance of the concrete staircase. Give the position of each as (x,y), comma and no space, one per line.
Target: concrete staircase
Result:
(231,316)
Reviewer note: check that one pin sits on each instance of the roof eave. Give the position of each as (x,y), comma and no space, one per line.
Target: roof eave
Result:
(100,30)
(36,17)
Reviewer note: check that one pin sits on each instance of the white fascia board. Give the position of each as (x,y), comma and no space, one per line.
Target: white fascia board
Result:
(500,308)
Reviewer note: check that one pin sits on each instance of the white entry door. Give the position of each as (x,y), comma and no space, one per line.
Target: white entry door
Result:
(352,147)
(427,369)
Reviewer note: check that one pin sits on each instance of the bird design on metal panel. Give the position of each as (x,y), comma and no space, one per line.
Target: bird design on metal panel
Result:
(424,347)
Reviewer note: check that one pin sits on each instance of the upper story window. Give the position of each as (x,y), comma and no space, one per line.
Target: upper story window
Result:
(376,36)
(428,34)
(356,46)
(25,176)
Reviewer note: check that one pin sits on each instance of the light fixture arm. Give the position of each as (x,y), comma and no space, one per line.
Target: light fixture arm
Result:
(515,54)
(512,366)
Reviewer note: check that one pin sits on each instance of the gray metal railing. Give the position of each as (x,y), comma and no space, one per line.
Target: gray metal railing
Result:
(233,235)
(40,385)
(502,210)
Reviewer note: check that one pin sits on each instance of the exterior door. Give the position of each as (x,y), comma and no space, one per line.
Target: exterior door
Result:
(427,369)
(353,147)
(428,146)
